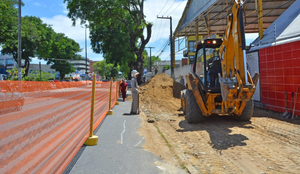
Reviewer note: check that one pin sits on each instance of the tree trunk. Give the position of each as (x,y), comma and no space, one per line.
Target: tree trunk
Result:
(139,67)
(27,64)
(62,76)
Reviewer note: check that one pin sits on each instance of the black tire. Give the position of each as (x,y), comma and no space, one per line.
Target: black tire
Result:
(193,112)
(183,105)
(247,112)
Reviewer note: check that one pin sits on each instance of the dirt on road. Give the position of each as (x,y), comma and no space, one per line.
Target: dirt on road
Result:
(265,144)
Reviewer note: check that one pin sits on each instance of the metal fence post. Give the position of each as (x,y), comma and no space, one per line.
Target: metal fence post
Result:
(110,112)
(92,139)
(117,92)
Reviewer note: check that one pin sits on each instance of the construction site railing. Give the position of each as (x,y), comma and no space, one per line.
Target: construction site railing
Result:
(44,124)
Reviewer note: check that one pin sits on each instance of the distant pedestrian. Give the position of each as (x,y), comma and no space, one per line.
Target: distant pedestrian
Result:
(134,91)
(181,80)
(123,89)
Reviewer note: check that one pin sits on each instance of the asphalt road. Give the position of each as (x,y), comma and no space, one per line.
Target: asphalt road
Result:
(119,148)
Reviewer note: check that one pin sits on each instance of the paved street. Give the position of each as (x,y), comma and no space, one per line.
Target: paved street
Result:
(119,149)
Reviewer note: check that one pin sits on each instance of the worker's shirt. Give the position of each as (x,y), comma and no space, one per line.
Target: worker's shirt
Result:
(123,87)
(134,85)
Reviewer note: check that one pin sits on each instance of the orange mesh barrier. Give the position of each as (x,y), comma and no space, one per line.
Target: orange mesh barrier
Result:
(44,124)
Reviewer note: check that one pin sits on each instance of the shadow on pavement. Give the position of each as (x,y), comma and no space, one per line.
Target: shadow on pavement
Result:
(259,112)
(221,137)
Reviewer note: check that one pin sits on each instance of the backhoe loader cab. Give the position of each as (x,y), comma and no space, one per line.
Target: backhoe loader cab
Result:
(207,63)
(219,82)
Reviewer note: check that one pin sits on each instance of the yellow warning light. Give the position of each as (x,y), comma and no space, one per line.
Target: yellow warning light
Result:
(195,46)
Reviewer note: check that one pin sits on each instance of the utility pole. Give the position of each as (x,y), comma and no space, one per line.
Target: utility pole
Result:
(86,74)
(171,46)
(150,58)
(19,45)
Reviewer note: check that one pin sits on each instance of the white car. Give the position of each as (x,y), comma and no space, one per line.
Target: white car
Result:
(10,101)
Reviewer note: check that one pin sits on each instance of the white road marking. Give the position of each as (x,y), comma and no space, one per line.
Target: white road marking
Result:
(139,142)
(123,131)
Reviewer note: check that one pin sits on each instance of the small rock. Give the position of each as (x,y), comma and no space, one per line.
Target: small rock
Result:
(150,121)
(262,172)
(202,153)
(224,167)
(190,146)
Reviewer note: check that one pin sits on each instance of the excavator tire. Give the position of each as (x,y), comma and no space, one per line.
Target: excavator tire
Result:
(193,113)
(247,112)
(183,103)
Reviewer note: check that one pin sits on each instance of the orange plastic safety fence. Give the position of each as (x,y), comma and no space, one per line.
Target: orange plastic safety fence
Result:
(44,124)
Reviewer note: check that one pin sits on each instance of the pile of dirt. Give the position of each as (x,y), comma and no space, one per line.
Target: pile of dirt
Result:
(157,94)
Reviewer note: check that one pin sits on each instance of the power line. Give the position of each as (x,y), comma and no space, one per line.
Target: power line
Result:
(169,8)
(163,7)
(175,8)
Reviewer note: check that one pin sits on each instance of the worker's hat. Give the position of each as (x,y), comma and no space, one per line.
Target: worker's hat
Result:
(134,72)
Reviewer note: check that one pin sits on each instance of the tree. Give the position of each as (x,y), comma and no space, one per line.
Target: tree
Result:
(63,68)
(38,40)
(126,18)
(35,35)
(8,18)
(153,59)
(62,50)
(106,69)
(40,76)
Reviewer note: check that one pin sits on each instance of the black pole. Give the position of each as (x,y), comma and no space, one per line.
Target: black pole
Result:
(40,71)
(85,55)
(19,44)
(150,58)
(171,46)
(205,73)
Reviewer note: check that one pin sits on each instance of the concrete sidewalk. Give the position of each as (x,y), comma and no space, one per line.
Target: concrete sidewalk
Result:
(119,148)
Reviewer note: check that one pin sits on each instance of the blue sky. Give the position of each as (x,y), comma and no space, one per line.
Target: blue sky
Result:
(54,12)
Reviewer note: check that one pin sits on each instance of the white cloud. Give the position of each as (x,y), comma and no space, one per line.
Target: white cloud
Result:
(65,11)
(63,24)
(37,4)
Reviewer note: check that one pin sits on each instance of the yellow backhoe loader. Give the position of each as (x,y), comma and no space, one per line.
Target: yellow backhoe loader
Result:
(220,83)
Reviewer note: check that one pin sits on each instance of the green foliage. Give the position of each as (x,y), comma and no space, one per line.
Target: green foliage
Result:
(167,67)
(64,49)
(63,68)
(8,16)
(40,76)
(117,29)
(13,73)
(153,59)
(38,39)
(106,69)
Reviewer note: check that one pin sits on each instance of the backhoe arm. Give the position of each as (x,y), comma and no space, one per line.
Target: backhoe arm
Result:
(232,50)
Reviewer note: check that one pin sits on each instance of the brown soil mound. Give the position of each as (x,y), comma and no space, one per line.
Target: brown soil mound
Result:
(157,94)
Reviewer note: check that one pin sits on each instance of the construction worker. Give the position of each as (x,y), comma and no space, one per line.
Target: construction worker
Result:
(134,92)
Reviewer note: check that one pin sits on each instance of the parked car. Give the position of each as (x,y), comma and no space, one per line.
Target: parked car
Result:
(128,83)
(3,77)
(10,101)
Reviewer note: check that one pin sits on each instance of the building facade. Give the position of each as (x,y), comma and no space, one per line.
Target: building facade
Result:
(82,66)
(7,62)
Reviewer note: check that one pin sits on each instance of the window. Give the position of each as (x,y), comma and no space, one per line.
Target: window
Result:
(191,60)
(10,61)
(1,62)
(191,46)
(200,65)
